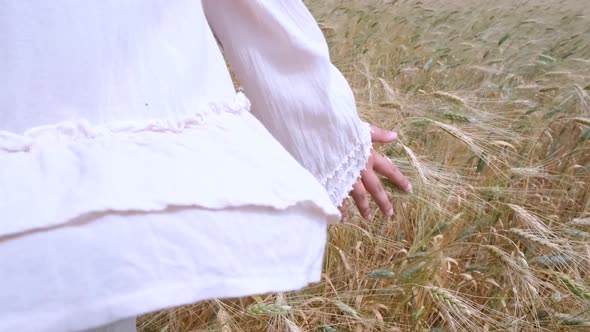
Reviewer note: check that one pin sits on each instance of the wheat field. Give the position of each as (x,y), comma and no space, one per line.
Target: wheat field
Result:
(491,101)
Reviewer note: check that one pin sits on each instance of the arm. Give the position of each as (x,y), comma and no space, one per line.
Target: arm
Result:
(281,58)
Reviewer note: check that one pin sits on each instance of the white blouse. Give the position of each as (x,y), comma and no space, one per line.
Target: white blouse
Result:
(133,177)
(107,75)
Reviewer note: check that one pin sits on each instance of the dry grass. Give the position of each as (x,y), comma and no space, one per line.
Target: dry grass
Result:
(491,99)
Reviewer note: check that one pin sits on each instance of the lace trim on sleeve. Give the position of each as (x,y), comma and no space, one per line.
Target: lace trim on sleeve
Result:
(340,181)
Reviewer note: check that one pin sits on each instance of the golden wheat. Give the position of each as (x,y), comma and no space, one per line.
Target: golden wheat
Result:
(493,112)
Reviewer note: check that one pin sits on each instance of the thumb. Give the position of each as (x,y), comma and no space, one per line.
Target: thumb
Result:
(379,135)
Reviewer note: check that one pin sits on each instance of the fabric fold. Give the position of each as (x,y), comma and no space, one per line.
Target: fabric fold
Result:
(229,160)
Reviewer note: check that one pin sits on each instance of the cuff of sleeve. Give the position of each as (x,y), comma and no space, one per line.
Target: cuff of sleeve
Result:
(339,182)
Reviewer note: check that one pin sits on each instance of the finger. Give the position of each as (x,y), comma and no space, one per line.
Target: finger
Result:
(379,135)
(375,188)
(344,210)
(361,199)
(387,168)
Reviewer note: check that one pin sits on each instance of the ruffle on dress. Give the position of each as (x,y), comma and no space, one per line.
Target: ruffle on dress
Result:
(11,142)
(221,157)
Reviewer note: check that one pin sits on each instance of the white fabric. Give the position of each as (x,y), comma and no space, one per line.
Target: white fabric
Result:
(280,56)
(126,325)
(118,112)
(109,267)
(229,160)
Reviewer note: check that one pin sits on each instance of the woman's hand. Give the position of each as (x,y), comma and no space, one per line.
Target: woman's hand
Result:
(369,182)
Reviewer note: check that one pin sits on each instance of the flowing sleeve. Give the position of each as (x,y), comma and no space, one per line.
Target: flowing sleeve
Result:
(281,58)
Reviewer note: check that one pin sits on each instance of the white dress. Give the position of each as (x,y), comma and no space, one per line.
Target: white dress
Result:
(134,178)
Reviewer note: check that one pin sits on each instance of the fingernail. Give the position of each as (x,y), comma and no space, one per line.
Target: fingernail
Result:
(409,188)
(390,213)
(392,135)
(370,217)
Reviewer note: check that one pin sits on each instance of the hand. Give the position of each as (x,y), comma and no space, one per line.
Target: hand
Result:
(369,182)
